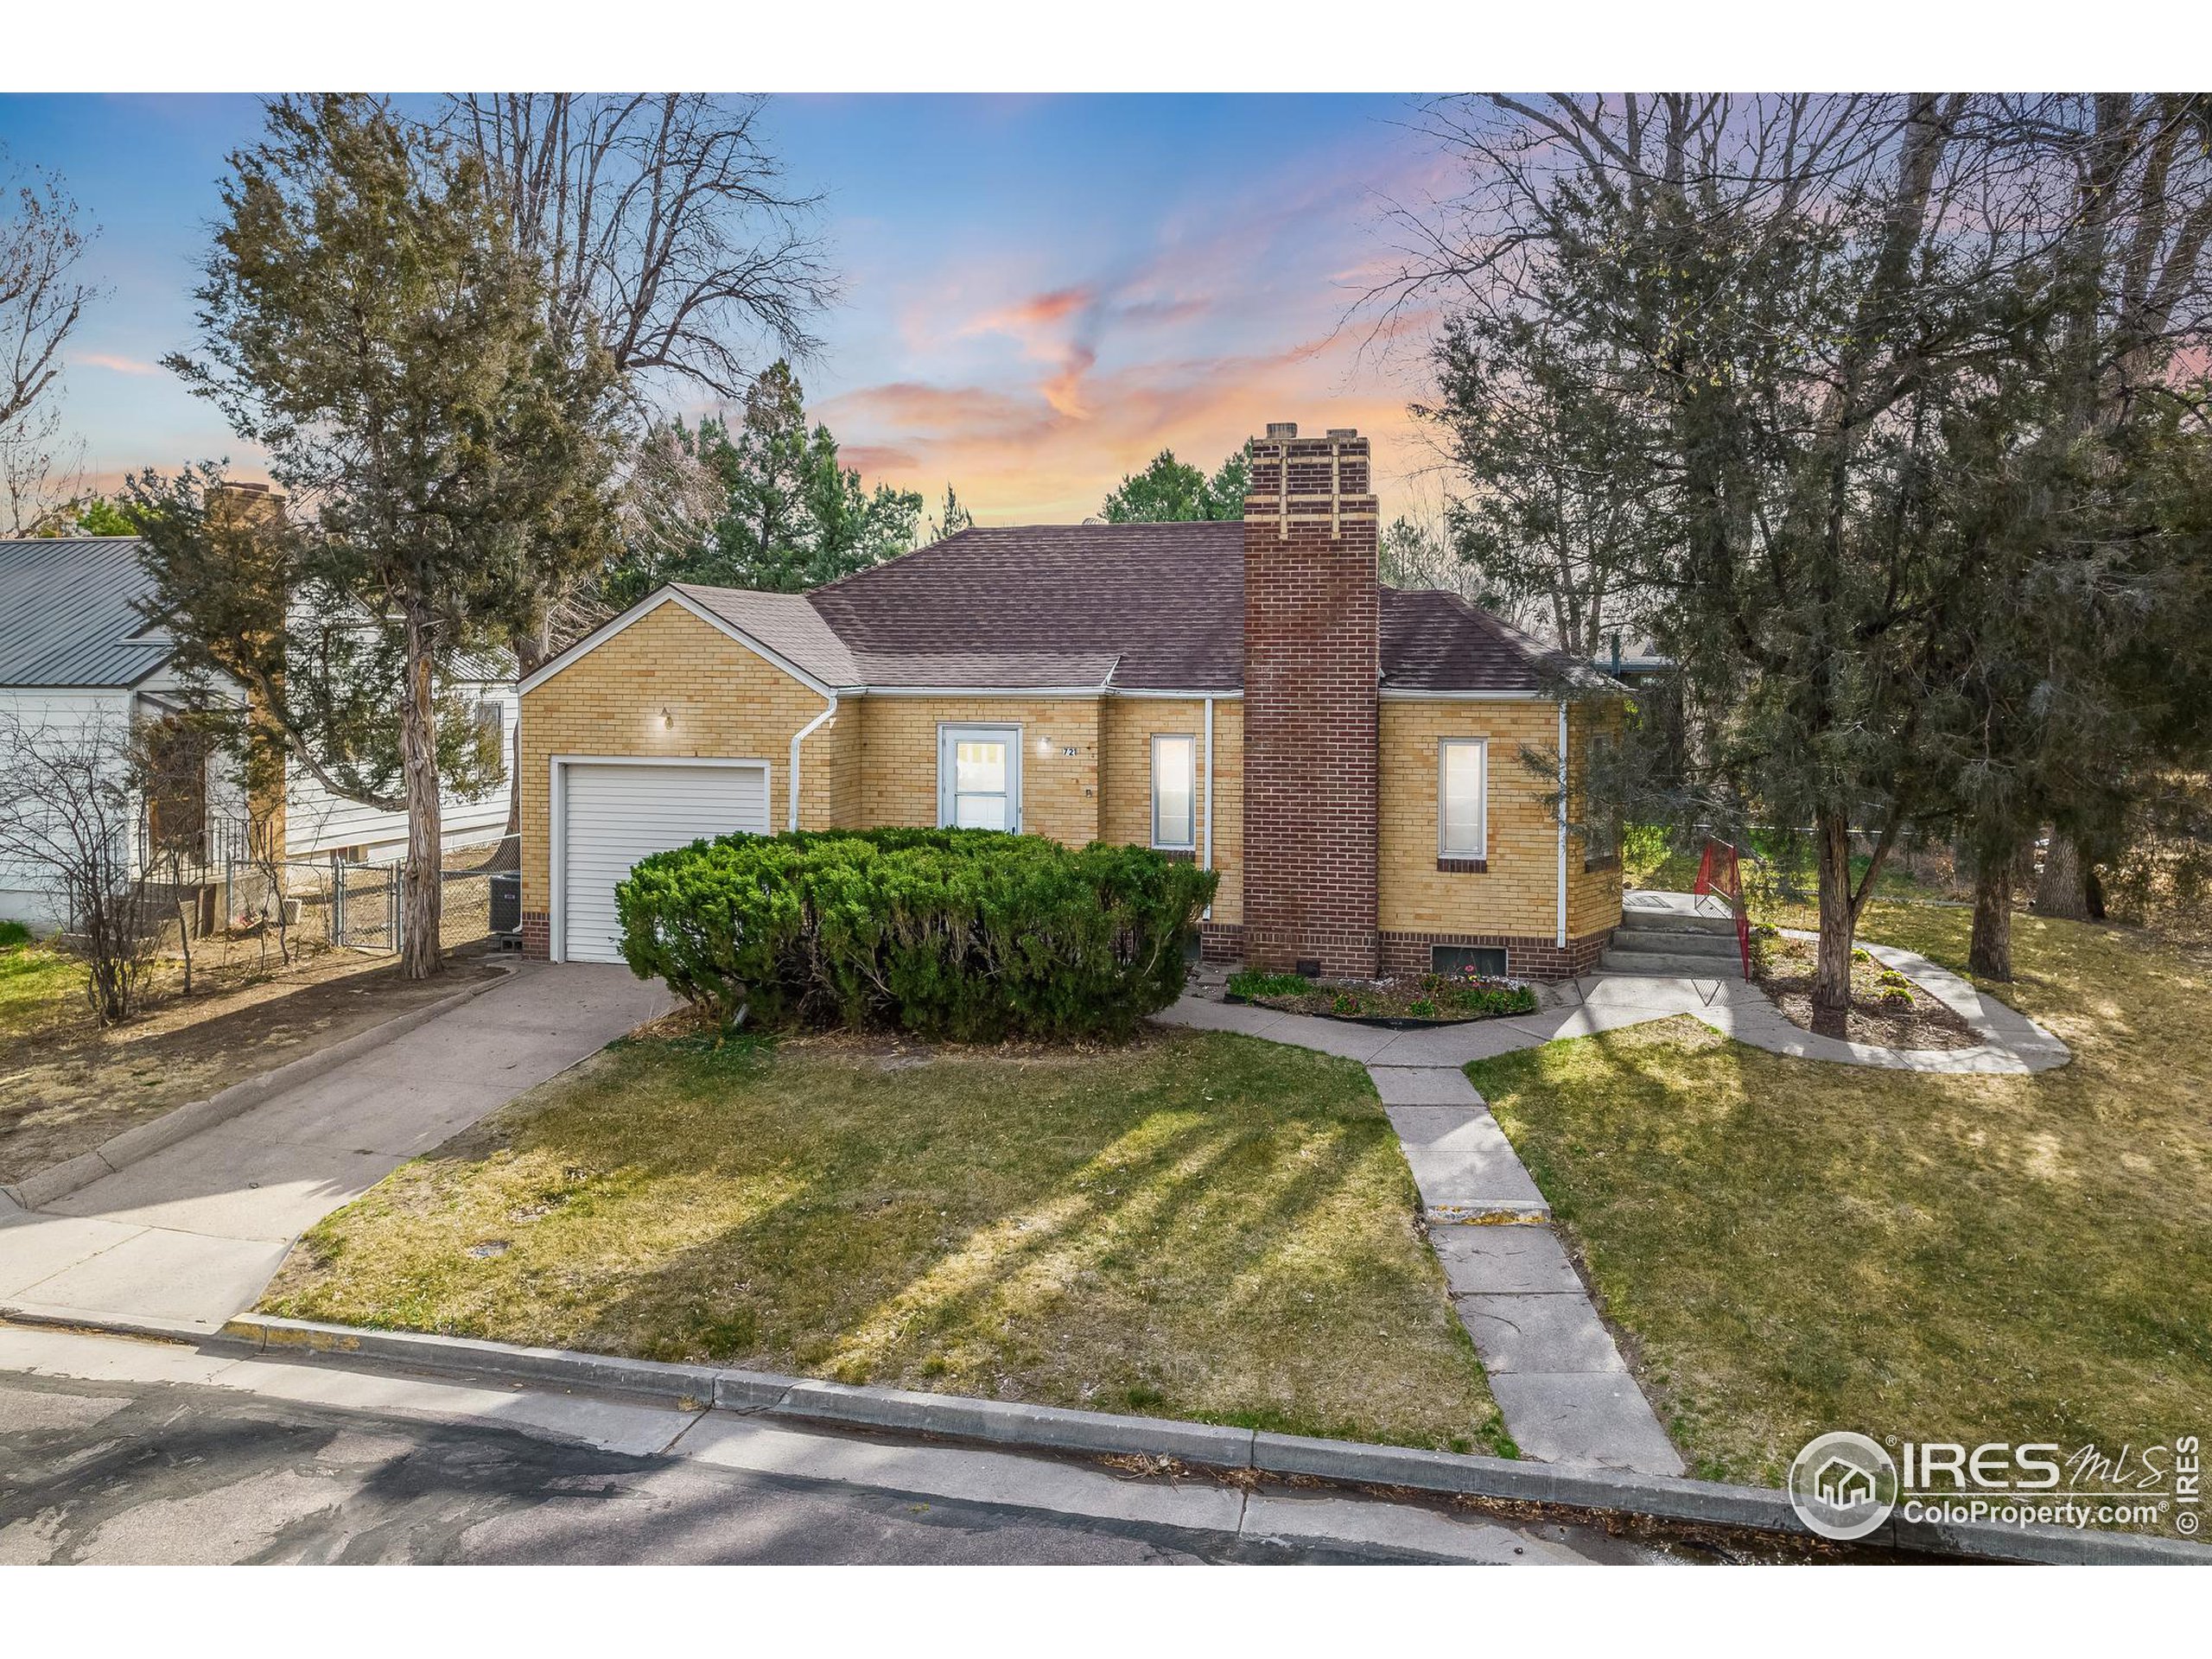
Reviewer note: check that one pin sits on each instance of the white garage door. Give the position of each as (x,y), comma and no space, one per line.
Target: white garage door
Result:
(615,815)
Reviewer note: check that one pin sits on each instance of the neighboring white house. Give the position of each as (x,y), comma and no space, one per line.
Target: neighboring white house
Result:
(75,656)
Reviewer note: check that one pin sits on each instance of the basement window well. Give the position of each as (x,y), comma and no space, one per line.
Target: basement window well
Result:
(1488,960)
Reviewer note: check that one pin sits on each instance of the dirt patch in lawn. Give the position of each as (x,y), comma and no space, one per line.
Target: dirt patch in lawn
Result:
(65,1086)
(1798,1246)
(1197,1225)
(1886,1008)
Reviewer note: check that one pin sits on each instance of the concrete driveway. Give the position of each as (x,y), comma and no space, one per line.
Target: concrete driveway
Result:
(188,1237)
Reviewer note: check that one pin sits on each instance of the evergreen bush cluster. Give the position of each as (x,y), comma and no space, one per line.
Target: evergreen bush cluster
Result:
(967,934)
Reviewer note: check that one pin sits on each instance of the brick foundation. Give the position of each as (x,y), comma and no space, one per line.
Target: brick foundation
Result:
(1525,958)
(536,935)
(1221,941)
(1311,670)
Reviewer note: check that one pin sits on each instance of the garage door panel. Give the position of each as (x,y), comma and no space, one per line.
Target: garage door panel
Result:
(616,815)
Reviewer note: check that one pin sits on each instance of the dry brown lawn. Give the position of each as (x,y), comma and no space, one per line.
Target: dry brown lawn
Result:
(1794,1246)
(1198,1225)
(67,1085)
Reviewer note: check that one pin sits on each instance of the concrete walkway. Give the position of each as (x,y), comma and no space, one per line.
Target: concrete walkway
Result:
(1558,1377)
(1559,1382)
(188,1237)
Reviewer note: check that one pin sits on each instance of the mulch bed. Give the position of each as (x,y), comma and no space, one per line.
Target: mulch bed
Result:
(1389,1002)
(1785,971)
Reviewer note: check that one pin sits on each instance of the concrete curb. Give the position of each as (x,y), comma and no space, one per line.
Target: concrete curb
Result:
(120,1151)
(1047,1428)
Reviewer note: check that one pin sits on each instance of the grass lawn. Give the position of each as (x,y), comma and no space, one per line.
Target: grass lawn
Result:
(1794,1246)
(38,989)
(1198,1225)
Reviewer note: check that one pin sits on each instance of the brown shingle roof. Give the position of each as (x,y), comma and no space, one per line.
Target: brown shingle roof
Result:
(1128,607)
(1436,641)
(1167,600)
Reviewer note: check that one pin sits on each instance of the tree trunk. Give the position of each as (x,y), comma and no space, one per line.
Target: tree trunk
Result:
(420,894)
(1832,976)
(2062,891)
(1990,955)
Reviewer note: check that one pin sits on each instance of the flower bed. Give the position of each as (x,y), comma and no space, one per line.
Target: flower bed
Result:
(1409,1002)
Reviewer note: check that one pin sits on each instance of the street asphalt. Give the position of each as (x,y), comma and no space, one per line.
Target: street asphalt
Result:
(123,1452)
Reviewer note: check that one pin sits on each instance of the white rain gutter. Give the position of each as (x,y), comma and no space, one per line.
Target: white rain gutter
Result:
(1562,824)
(807,731)
(1209,854)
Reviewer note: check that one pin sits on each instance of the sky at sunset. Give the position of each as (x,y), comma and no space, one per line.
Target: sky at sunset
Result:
(1040,293)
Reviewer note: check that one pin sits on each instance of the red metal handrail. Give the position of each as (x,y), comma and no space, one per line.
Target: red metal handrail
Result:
(1718,871)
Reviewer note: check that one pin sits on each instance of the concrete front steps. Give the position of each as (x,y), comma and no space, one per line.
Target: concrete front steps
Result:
(1674,935)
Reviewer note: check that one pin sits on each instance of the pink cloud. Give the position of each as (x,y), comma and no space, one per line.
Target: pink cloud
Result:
(118,364)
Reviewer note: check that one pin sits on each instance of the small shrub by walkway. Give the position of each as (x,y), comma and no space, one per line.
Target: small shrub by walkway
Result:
(1794,1246)
(1198,1225)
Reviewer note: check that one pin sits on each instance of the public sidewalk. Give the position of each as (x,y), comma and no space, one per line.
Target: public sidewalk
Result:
(188,1237)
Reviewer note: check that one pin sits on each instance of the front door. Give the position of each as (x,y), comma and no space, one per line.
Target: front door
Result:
(979,777)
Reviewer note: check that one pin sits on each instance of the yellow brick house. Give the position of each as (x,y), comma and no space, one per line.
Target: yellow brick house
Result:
(1247,696)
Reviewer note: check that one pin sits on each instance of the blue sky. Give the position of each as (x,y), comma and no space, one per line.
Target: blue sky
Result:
(1041,292)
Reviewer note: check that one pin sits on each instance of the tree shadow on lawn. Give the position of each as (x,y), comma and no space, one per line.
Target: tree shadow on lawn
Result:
(1156,1259)
(1794,1246)
(1204,1226)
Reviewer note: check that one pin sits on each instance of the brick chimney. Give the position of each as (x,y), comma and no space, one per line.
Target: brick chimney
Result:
(1311,666)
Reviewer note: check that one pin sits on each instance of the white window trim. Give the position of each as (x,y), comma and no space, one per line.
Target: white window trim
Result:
(556,839)
(1481,799)
(1191,845)
(949,732)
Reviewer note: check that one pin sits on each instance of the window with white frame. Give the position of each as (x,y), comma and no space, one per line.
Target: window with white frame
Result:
(1174,791)
(1463,799)
(979,777)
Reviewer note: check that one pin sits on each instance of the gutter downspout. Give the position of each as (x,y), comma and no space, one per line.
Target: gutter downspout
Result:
(809,730)
(1562,824)
(1209,854)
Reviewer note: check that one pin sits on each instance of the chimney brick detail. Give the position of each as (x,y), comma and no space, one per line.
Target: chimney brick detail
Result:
(1311,670)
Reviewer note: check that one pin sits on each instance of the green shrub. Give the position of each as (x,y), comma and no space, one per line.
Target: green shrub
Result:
(1250,982)
(13,934)
(1473,993)
(969,934)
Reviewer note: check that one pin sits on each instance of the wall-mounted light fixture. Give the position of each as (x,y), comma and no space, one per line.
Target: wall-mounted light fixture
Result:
(666,718)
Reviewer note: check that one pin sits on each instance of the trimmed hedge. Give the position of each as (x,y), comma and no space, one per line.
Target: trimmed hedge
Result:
(970,934)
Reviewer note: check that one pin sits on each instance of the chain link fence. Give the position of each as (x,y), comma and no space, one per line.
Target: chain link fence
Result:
(256,914)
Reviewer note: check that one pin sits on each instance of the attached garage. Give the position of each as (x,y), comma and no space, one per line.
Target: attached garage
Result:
(608,813)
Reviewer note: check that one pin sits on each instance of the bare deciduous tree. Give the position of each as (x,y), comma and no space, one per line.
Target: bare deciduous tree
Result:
(661,219)
(665,232)
(42,300)
(72,818)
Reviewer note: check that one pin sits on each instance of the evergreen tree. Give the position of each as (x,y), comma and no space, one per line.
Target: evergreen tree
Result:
(1168,490)
(788,514)
(367,321)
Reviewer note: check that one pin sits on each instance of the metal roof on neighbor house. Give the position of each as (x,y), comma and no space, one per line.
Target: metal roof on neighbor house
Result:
(67,617)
